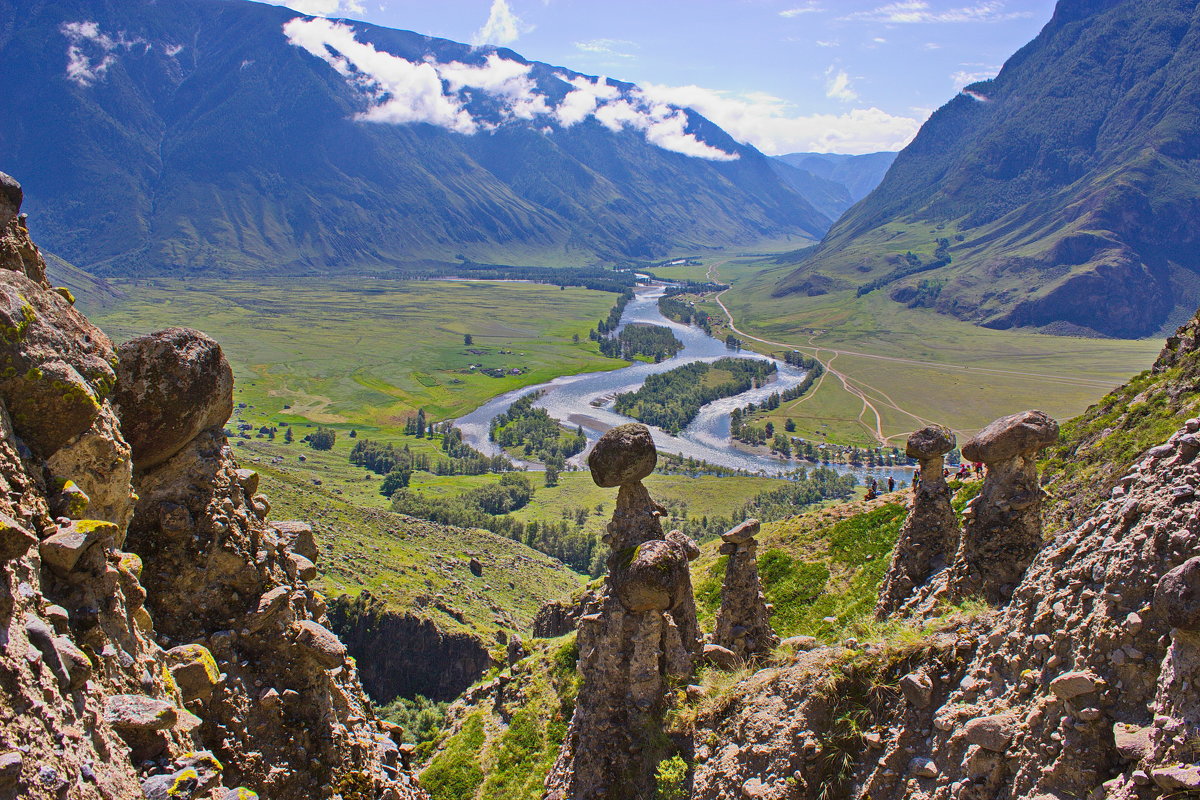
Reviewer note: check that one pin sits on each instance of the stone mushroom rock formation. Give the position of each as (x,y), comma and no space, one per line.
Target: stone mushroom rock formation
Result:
(641,629)
(1003,525)
(743,622)
(929,537)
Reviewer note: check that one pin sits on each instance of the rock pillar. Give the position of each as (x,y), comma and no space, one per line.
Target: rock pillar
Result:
(929,537)
(743,623)
(638,632)
(1003,525)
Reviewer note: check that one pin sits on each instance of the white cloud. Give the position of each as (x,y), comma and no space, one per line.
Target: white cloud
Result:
(825,43)
(914,11)
(323,8)
(811,7)
(90,51)
(768,123)
(964,77)
(614,48)
(173,50)
(502,26)
(837,86)
(404,92)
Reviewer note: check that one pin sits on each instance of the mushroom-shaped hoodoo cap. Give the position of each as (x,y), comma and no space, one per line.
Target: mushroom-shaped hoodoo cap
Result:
(930,442)
(624,455)
(10,195)
(1177,596)
(741,533)
(1011,436)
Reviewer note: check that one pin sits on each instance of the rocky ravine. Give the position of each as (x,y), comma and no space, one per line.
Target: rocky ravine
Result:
(158,636)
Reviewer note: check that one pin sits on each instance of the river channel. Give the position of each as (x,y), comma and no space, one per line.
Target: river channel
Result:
(586,400)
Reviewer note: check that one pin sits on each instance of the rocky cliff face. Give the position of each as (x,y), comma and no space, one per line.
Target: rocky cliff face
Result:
(437,664)
(157,636)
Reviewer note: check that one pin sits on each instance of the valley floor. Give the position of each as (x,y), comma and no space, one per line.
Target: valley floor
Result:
(891,369)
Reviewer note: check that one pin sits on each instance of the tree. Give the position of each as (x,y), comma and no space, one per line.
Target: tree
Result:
(288,438)
(551,475)
(789,425)
(770,429)
(321,439)
(398,478)
(468,340)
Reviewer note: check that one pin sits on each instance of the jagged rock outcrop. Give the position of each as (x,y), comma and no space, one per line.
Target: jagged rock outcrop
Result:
(559,617)
(1002,528)
(743,624)
(641,629)
(1083,685)
(930,535)
(94,704)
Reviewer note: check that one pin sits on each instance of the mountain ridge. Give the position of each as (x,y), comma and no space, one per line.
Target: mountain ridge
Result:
(179,108)
(1063,188)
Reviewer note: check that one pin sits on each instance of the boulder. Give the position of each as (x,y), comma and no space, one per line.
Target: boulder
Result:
(11,763)
(624,455)
(741,533)
(171,385)
(917,689)
(56,368)
(1177,596)
(476,567)
(135,713)
(933,441)
(11,197)
(194,670)
(248,480)
(15,539)
(1073,684)
(62,551)
(300,567)
(1132,741)
(721,657)
(1012,436)
(650,580)
(1177,778)
(298,537)
(320,644)
(991,733)
(71,502)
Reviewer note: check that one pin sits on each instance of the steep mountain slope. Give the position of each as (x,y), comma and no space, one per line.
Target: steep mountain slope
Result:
(1060,194)
(859,174)
(827,196)
(246,137)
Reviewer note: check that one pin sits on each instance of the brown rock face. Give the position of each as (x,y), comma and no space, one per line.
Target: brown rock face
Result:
(1177,596)
(624,455)
(743,623)
(56,368)
(171,385)
(930,534)
(1003,530)
(639,630)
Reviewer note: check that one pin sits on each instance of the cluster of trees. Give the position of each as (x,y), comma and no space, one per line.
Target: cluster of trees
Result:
(597,278)
(535,433)
(912,266)
(396,464)
(613,320)
(803,489)
(321,438)
(462,459)
(681,311)
(419,426)
(672,399)
(488,508)
(640,339)
(733,342)
(740,427)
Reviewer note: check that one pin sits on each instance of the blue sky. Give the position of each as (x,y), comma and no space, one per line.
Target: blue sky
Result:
(784,75)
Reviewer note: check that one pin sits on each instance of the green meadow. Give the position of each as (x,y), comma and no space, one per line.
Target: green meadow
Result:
(363,351)
(892,369)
